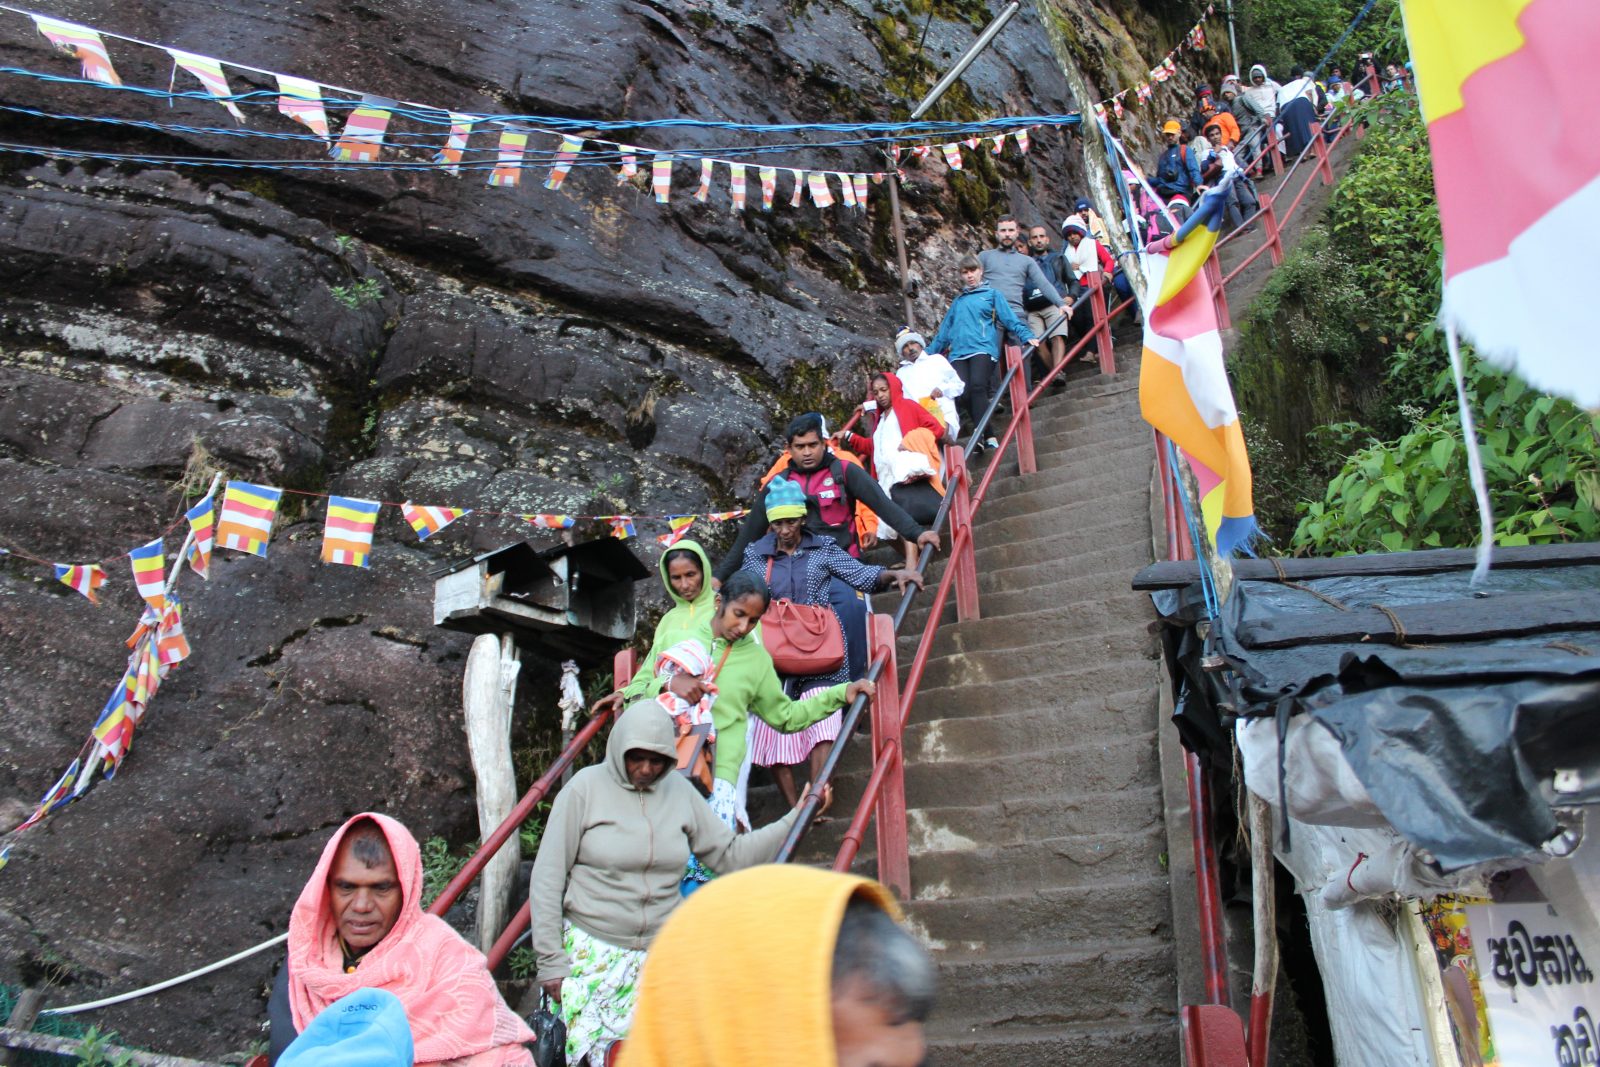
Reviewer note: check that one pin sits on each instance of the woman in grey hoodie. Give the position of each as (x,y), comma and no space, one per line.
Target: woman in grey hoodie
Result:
(608,869)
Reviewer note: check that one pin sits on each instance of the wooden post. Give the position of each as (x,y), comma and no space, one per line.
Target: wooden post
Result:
(1021,417)
(894,850)
(22,1016)
(488,693)
(1264,977)
(963,557)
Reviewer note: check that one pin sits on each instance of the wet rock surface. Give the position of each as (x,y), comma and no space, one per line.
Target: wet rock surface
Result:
(398,336)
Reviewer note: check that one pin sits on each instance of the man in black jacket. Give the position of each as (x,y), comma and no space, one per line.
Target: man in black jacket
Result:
(1044,316)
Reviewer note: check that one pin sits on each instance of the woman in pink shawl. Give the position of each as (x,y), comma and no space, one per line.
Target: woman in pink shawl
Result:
(359,923)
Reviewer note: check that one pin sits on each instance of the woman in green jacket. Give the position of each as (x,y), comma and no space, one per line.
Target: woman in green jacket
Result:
(745,683)
(686,572)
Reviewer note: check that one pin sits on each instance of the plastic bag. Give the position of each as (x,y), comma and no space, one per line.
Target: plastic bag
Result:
(550,1035)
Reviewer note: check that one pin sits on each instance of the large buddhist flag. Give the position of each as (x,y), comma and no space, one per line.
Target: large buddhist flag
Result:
(248,512)
(1183,388)
(202,523)
(81,43)
(347,532)
(150,573)
(85,578)
(1521,227)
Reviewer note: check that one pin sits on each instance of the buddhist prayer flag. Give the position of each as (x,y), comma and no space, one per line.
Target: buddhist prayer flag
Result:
(952,155)
(818,184)
(736,185)
(58,794)
(973,142)
(508,172)
(171,645)
(630,163)
(621,526)
(363,133)
(1521,229)
(248,512)
(83,44)
(724,516)
(999,144)
(922,151)
(85,578)
(550,522)
(428,521)
(1143,92)
(150,573)
(1100,112)
(1022,141)
(209,72)
(1116,105)
(570,147)
(347,531)
(202,518)
(677,530)
(847,192)
(661,178)
(703,193)
(1170,67)
(1183,386)
(455,143)
(799,187)
(769,186)
(301,100)
(1197,37)
(859,181)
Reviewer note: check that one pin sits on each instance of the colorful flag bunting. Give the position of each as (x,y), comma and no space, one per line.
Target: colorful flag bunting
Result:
(661,177)
(999,141)
(1183,385)
(507,173)
(818,184)
(202,519)
(799,187)
(1143,92)
(455,144)
(1170,67)
(347,531)
(922,151)
(171,645)
(1197,37)
(301,100)
(150,573)
(621,526)
(85,578)
(363,132)
(1100,111)
(859,183)
(630,162)
(1159,74)
(58,794)
(678,529)
(703,193)
(973,142)
(724,516)
(1515,65)
(550,522)
(570,147)
(209,72)
(428,521)
(1116,105)
(769,186)
(248,512)
(952,155)
(1022,141)
(83,44)
(736,185)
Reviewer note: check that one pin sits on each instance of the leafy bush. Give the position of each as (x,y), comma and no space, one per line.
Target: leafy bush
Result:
(438,867)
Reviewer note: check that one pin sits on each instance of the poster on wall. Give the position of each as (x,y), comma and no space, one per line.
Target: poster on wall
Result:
(1445,919)
(1540,992)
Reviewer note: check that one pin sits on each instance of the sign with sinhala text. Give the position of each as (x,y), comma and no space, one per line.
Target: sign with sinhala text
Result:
(1542,997)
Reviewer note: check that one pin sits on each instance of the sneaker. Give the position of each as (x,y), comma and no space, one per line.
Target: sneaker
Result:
(991,442)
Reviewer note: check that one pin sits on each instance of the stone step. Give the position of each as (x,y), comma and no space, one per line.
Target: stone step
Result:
(1058,488)
(1114,564)
(1045,725)
(1001,604)
(1039,656)
(1055,446)
(1066,1046)
(1064,915)
(1064,540)
(1084,680)
(1051,862)
(1054,627)
(1131,983)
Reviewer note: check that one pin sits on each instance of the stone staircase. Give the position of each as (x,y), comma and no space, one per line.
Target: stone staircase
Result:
(1038,847)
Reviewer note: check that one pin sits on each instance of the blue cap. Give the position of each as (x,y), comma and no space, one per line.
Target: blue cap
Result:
(785,500)
(367,1028)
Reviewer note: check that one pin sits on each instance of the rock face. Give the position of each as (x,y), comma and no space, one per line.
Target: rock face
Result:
(400,336)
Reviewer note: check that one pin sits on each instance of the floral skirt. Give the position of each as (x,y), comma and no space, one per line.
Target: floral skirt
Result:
(597,998)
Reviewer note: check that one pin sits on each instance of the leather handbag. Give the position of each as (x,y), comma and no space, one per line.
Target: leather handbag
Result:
(550,1034)
(695,759)
(802,639)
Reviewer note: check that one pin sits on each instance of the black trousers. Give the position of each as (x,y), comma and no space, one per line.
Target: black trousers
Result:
(978,373)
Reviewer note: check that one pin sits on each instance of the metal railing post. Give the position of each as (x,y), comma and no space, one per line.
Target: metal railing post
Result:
(894,850)
(624,665)
(1212,1036)
(1273,142)
(1270,220)
(1102,325)
(1219,293)
(1319,148)
(963,557)
(1021,417)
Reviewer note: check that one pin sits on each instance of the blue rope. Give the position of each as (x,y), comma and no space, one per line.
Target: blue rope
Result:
(1197,528)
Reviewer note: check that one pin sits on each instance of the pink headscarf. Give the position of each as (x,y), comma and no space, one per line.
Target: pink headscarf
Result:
(455,1010)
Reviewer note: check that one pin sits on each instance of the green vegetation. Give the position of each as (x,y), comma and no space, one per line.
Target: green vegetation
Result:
(1282,33)
(438,867)
(1351,415)
(352,296)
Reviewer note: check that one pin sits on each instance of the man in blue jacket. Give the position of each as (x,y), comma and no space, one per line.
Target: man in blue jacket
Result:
(1177,172)
(970,337)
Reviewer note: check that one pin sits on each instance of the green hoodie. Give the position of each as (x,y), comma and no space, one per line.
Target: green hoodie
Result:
(685,619)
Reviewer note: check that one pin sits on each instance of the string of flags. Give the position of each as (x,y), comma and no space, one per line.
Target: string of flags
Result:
(366,135)
(1167,69)
(247,514)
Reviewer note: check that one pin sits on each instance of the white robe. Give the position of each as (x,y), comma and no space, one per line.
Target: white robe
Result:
(892,465)
(932,371)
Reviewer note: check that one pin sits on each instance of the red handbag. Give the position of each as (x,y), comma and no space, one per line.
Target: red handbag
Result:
(802,639)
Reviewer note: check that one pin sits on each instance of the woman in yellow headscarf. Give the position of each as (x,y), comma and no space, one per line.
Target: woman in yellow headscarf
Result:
(854,987)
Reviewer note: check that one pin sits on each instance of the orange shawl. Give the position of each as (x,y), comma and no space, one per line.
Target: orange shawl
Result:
(454,1007)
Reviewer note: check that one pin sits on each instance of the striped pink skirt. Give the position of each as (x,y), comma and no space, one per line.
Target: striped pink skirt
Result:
(773,748)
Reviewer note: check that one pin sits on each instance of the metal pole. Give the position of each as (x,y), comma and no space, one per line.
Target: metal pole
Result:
(1233,44)
(928,101)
